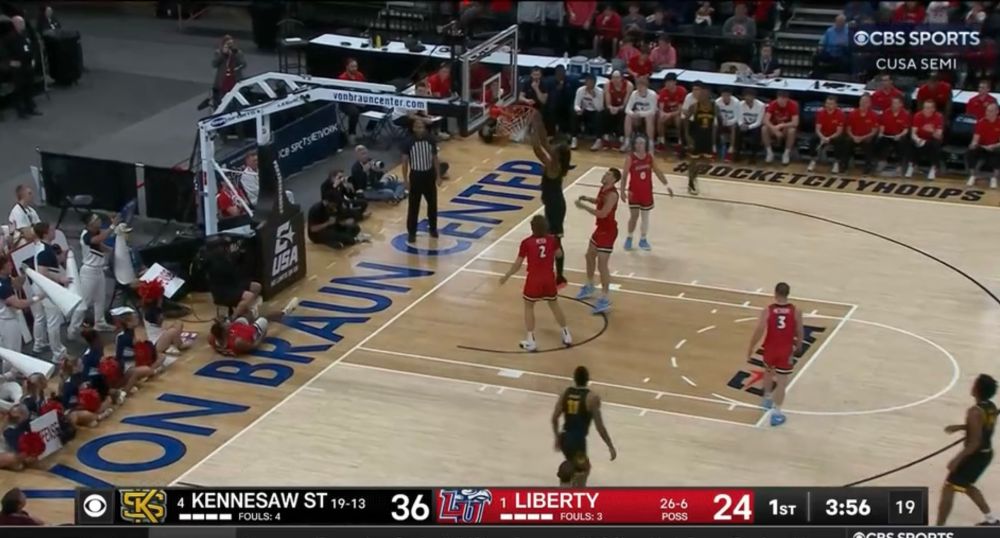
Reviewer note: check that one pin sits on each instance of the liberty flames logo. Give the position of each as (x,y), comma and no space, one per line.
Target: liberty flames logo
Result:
(463,505)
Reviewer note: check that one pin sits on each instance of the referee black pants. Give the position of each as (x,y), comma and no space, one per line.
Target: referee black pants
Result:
(423,184)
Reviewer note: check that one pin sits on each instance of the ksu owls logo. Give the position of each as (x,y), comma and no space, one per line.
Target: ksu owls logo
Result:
(463,505)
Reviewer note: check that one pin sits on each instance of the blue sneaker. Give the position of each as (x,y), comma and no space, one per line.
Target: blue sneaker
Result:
(602,305)
(768,403)
(586,292)
(628,243)
(644,245)
(777,419)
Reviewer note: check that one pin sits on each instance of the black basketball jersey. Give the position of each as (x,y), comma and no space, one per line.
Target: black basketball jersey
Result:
(704,116)
(577,416)
(552,185)
(989,410)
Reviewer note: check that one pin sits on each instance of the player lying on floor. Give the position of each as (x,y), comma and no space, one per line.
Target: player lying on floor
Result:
(242,333)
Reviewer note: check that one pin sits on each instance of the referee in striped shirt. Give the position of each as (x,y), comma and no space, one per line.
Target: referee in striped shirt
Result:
(421,170)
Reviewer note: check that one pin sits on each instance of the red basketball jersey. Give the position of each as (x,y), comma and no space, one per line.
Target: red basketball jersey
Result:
(781,329)
(540,252)
(607,222)
(640,171)
(618,94)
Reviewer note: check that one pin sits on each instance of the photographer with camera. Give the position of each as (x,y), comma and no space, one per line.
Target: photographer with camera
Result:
(229,63)
(369,178)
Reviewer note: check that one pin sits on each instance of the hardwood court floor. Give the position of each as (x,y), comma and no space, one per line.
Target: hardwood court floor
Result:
(897,336)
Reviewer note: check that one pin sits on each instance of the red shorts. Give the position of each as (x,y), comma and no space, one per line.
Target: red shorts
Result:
(604,239)
(780,360)
(540,289)
(641,197)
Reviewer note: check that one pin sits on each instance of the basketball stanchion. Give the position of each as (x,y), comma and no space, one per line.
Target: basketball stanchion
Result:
(25,364)
(65,300)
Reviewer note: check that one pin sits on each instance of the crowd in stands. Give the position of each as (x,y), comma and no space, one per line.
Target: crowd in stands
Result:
(83,388)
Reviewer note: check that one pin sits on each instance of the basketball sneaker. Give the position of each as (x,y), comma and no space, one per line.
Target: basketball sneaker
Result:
(628,243)
(644,245)
(293,303)
(767,403)
(528,345)
(989,523)
(567,339)
(602,305)
(586,292)
(777,418)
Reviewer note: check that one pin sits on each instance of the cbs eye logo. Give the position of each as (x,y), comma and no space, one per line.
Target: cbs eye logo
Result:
(95,506)
(861,38)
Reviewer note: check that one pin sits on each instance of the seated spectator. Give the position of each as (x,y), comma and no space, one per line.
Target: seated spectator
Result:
(533,92)
(976,107)
(985,146)
(938,12)
(669,102)
(616,95)
(580,24)
(350,203)
(23,214)
(766,65)
(862,128)
(659,23)
(938,90)
(894,134)
(12,508)
(640,112)
(727,106)
(781,121)
(558,109)
(703,15)
(926,133)
(229,201)
(608,26)
(857,11)
(828,133)
(885,93)
(749,119)
(641,65)
(325,227)
(834,51)
(440,81)
(249,180)
(740,30)
(628,50)
(588,108)
(368,177)
(47,20)
(663,55)
(352,111)
(909,12)
(634,21)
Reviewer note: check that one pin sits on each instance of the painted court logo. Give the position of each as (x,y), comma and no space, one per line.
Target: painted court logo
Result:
(463,505)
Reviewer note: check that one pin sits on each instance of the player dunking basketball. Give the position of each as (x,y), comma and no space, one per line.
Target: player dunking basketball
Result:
(540,249)
(639,192)
(556,164)
(602,242)
(782,323)
(578,406)
(968,465)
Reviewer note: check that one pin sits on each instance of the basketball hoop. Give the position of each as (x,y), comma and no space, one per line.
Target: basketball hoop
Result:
(513,121)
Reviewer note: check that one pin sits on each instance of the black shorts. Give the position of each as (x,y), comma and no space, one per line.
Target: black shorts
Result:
(555,208)
(969,470)
(574,449)
(701,144)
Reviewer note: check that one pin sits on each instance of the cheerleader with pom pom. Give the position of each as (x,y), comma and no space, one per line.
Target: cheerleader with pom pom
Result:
(79,398)
(19,448)
(166,336)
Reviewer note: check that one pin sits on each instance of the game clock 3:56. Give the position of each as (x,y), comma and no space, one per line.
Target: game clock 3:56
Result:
(856,506)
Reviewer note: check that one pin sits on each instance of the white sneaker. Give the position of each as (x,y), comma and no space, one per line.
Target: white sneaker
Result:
(567,339)
(607,138)
(598,145)
(909,170)
(786,157)
(572,143)
(931,173)
(993,182)
(624,147)
(769,158)
(971,182)
(293,303)
(811,167)
(528,346)
(835,169)
(444,136)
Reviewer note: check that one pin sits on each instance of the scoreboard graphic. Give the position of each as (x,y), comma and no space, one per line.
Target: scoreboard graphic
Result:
(522,512)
